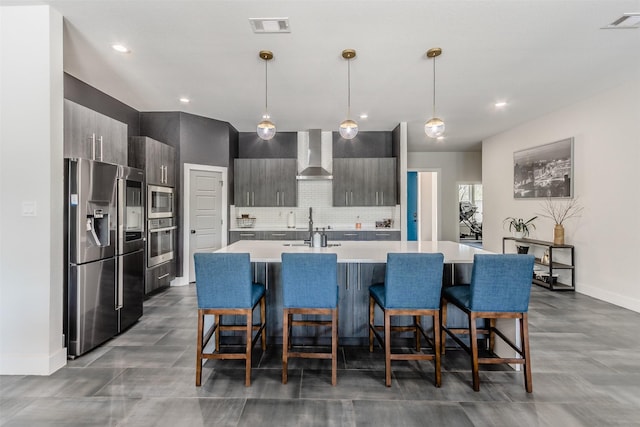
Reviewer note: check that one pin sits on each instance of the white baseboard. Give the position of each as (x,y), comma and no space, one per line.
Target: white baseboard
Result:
(32,364)
(180,281)
(610,297)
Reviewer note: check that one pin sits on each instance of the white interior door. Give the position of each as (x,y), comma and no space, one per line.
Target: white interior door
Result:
(205,214)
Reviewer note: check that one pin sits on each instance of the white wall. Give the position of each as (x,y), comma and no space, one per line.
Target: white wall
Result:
(606,176)
(454,168)
(31,135)
(426,182)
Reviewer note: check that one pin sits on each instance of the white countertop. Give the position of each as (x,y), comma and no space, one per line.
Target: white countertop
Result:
(353,251)
(337,228)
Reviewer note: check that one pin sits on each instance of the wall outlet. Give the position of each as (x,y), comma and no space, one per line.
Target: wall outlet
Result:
(29,208)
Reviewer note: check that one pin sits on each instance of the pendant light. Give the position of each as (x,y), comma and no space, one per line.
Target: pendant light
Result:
(266,129)
(434,126)
(348,128)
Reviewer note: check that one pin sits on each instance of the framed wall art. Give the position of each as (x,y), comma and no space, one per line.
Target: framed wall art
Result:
(544,171)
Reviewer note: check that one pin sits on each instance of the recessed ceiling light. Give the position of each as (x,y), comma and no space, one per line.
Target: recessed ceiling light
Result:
(185,100)
(270,25)
(364,115)
(120,48)
(500,104)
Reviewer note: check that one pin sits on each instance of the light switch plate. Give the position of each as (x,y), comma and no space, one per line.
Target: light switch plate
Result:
(29,209)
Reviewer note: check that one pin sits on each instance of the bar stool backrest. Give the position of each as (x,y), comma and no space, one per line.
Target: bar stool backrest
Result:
(223,280)
(310,280)
(501,283)
(413,280)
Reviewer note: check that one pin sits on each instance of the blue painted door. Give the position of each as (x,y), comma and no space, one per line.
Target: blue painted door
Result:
(412,205)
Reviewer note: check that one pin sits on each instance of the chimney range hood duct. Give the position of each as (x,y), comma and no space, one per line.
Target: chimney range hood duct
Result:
(314,169)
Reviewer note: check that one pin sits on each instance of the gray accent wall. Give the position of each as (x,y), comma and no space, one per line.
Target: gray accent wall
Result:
(283,146)
(81,93)
(365,144)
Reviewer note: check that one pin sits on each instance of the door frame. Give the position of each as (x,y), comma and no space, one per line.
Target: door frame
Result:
(186,194)
(438,172)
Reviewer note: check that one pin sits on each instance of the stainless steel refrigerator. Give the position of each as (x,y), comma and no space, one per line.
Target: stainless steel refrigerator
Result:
(104,276)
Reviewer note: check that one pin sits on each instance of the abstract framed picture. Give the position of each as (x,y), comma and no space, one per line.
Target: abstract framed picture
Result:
(544,171)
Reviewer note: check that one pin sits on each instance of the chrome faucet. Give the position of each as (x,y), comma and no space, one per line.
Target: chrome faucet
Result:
(310,240)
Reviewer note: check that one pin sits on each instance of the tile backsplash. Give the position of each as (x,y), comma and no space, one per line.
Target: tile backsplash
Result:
(319,196)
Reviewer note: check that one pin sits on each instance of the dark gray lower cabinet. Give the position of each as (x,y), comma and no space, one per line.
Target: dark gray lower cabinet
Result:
(353,304)
(332,236)
(159,277)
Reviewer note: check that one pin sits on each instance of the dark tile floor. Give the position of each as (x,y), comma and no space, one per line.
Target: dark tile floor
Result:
(586,372)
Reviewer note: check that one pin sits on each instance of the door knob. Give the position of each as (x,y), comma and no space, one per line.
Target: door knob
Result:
(193,231)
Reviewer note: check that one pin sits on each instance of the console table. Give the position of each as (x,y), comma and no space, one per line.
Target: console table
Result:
(560,276)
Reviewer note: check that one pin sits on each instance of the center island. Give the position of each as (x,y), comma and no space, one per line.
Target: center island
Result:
(360,263)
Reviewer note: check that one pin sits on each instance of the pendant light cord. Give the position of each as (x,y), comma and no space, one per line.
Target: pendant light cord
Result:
(348,88)
(434,86)
(266,80)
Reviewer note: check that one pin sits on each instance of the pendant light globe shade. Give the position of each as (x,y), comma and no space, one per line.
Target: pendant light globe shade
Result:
(348,129)
(266,129)
(434,128)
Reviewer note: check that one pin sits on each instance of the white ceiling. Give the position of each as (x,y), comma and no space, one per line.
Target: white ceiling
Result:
(537,55)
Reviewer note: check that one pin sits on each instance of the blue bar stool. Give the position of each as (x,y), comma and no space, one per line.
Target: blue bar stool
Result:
(224,287)
(412,287)
(500,289)
(309,286)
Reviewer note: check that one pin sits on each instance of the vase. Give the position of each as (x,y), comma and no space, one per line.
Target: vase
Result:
(558,235)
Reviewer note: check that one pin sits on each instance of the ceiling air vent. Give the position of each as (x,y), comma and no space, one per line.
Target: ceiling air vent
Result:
(625,22)
(270,25)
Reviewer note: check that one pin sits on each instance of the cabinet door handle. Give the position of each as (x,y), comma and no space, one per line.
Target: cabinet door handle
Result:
(253,198)
(382,197)
(277,198)
(377,199)
(352,198)
(93,146)
(383,234)
(278,234)
(247,198)
(350,234)
(101,158)
(283,199)
(346,198)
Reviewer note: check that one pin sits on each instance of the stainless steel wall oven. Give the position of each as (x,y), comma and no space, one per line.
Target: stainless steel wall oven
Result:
(160,241)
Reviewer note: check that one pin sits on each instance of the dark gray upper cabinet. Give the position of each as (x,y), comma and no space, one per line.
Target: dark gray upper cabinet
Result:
(155,158)
(94,136)
(265,182)
(364,181)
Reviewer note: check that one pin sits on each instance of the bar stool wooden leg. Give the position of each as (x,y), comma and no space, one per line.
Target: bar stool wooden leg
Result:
(387,349)
(418,320)
(334,347)
(524,329)
(437,342)
(285,345)
(473,337)
(372,312)
(443,322)
(247,373)
(263,320)
(199,349)
(216,322)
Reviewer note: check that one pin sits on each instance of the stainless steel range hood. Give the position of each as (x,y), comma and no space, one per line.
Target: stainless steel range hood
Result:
(312,154)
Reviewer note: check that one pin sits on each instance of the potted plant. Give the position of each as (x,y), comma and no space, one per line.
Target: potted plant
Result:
(520,229)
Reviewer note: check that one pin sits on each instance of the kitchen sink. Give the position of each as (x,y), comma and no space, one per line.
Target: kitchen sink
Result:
(330,245)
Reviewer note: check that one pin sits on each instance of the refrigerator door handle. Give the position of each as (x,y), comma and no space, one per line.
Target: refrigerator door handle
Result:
(120,288)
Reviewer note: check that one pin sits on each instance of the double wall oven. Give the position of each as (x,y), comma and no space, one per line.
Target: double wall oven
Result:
(161,236)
